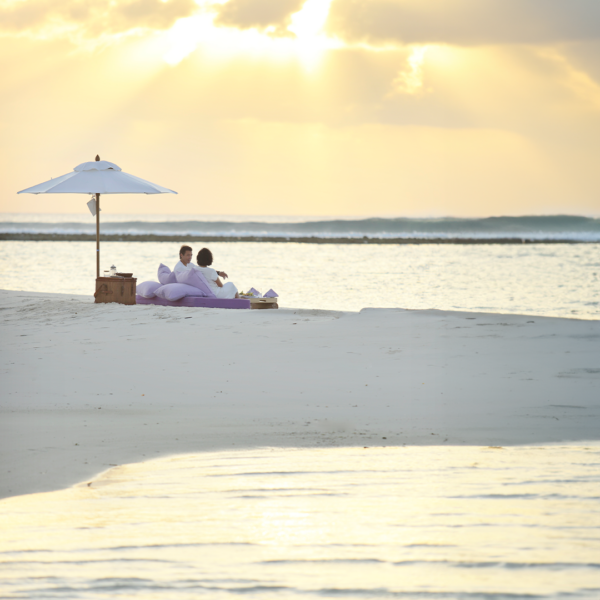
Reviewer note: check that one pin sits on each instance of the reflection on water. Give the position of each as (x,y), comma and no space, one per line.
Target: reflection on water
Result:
(551,280)
(419,522)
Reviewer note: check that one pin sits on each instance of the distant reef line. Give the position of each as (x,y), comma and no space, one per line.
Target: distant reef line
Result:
(85,237)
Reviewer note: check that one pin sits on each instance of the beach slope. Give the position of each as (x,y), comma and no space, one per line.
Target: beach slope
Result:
(86,387)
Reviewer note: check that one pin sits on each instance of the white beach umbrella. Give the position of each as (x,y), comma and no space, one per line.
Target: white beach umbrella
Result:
(97,177)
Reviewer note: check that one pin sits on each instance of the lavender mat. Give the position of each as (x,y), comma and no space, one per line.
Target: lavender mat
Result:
(197,301)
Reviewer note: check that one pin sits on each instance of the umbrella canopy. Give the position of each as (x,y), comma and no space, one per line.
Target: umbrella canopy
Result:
(97,177)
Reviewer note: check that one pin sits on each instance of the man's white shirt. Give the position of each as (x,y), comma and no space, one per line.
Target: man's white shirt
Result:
(181,267)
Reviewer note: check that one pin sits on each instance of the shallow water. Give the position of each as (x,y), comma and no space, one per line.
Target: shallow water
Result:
(411,522)
(550,280)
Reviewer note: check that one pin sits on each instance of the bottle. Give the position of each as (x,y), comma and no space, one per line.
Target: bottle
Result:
(113,271)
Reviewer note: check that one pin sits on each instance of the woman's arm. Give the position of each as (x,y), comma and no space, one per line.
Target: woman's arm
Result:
(219,282)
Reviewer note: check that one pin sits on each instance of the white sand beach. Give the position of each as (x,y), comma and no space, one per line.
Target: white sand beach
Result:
(86,387)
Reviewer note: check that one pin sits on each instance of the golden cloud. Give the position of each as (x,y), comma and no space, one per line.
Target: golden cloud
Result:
(259,14)
(464,22)
(47,18)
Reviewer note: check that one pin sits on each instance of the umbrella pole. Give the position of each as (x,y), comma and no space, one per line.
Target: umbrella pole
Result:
(97,235)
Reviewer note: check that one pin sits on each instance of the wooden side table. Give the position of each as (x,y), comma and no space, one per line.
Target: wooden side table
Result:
(115,289)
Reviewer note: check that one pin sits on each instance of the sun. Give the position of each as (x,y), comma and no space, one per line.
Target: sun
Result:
(307,23)
(307,42)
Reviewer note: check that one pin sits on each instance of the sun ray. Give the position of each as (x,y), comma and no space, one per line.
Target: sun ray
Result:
(410,81)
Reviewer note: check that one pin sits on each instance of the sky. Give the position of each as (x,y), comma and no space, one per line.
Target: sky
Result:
(306,107)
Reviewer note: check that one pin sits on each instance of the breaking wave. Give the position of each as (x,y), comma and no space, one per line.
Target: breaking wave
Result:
(557,227)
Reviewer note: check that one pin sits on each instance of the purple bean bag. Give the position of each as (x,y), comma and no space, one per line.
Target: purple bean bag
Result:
(176,291)
(165,275)
(146,289)
(196,279)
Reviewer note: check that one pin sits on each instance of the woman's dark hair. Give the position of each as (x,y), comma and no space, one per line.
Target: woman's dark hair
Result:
(204,257)
(183,250)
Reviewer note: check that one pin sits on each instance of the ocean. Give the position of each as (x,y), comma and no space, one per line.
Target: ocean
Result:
(421,522)
(557,275)
(460,523)
(565,228)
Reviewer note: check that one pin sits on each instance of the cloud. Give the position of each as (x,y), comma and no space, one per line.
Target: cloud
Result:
(47,18)
(464,22)
(522,90)
(496,129)
(585,57)
(258,14)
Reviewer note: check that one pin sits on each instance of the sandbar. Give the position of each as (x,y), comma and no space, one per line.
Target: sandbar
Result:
(88,386)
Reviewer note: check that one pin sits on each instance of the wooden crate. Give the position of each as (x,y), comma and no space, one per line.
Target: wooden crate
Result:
(263,302)
(115,289)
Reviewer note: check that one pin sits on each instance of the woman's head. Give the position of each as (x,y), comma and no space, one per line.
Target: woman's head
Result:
(204,258)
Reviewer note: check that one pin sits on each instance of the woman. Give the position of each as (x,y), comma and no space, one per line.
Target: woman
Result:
(218,288)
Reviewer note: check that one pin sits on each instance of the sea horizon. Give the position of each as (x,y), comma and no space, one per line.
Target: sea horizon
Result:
(551,228)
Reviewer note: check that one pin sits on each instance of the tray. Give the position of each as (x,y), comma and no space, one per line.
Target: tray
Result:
(261,302)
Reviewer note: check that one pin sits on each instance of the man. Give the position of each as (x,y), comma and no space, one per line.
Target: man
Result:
(185,258)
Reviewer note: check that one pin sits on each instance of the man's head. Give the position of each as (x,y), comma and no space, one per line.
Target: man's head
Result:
(185,255)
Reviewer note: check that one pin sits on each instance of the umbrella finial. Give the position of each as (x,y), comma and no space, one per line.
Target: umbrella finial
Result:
(97,157)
